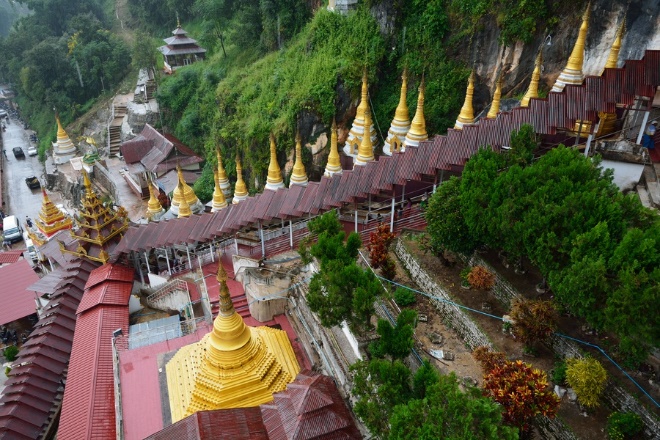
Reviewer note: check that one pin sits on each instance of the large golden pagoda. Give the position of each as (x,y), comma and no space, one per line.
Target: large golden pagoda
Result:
(240,190)
(359,128)
(401,122)
(299,175)
(572,73)
(63,148)
(184,191)
(99,228)
(50,220)
(274,180)
(417,132)
(223,180)
(219,201)
(608,120)
(533,90)
(154,208)
(495,105)
(234,366)
(334,163)
(366,149)
(466,116)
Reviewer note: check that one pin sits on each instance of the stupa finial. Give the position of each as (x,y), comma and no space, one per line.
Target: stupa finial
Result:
(466,116)
(533,90)
(495,105)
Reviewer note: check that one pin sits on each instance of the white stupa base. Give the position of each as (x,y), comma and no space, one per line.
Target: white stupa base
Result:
(195,208)
(274,186)
(361,160)
(567,76)
(298,181)
(225,187)
(413,141)
(329,172)
(237,199)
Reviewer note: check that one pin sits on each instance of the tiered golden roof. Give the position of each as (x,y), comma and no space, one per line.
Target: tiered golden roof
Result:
(51,219)
(183,191)
(401,122)
(184,207)
(334,163)
(240,190)
(359,128)
(299,175)
(234,366)
(417,132)
(495,105)
(366,150)
(153,206)
(223,180)
(219,201)
(274,180)
(466,116)
(572,73)
(99,229)
(608,120)
(533,90)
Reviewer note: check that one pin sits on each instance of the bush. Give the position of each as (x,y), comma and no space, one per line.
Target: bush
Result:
(10,353)
(558,373)
(587,377)
(404,297)
(481,278)
(534,320)
(623,425)
(7,370)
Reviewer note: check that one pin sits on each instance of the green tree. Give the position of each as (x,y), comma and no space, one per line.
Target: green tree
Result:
(587,377)
(397,341)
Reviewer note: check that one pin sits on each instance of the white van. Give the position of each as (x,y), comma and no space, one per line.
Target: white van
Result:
(11,230)
(31,250)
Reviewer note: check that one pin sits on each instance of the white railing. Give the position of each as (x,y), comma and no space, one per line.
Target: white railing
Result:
(168,288)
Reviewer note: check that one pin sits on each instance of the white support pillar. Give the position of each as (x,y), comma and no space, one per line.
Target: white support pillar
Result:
(403,193)
(356,216)
(189,260)
(138,266)
(392,213)
(261,237)
(591,138)
(236,245)
(146,260)
(167,260)
(211,249)
(291,234)
(643,127)
(369,205)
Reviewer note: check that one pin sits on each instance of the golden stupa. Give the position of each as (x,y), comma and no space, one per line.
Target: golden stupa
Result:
(223,180)
(154,208)
(219,201)
(495,105)
(401,122)
(99,228)
(366,149)
(572,73)
(184,191)
(608,120)
(359,128)
(334,163)
(240,190)
(50,220)
(533,90)
(274,180)
(417,132)
(299,175)
(184,207)
(234,366)
(63,148)
(466,116)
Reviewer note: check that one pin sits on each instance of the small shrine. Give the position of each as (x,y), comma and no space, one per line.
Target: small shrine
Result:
(299,175)
(234,366)
(240,189)
(334,163)
(63,148)
(401,122)
(182,192)
(50,220)
(274,179)
(359,127)
(180,50)
(417,132)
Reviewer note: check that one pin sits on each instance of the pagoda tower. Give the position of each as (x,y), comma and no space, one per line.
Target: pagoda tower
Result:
(233,366)
(222,178)
(572,73)
(184,191)
(356,134)
(180,50)
(401,122)
(154,208)
(299,175)
(219,201)
(63,149)
(466,116)
(533,90)
(366,150)
(49,221)
(608,120)
(334,164)
(99,230)
(417,132)
(184,207)
(495,105)
(240,190)
(274,180)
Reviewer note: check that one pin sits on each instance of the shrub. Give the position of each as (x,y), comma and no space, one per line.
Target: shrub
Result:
(534,320)
(558,373)
(10,353)
(7,370)
(404,297)
(481,278)
(623,425)
(587,377)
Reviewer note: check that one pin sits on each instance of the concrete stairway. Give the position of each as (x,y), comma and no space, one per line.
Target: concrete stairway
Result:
(114,129)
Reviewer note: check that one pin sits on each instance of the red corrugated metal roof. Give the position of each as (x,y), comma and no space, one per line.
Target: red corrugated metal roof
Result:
(116,272)
(8,257)
(226,424)
(17,301)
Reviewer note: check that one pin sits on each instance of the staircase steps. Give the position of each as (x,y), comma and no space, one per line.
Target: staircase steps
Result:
(114,129)
(240,305)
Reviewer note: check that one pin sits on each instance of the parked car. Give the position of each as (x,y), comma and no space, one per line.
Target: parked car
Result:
(32,150)
(32,182)
(18,152)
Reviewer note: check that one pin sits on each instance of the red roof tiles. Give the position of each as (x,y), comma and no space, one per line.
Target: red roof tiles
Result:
(9,257)
(17,301)
(227,424)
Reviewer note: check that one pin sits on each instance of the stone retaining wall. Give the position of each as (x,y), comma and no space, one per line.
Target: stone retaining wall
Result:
(502,290)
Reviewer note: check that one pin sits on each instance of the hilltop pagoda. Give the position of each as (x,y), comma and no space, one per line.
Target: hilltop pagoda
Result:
(63,149)
(50,220)
(234,366)
(180,50)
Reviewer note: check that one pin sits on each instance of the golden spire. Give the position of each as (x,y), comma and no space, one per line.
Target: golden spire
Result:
(60,130)
(359,129)
(533,90)
(572,73)
(495,105)
(613,59)
(222,178)
(153,206)
(334,163)
(240,190)
(366,149)
(274,179)
(183,191)
(417,132)
(401,113)
(219,200)
(299,175)
(364,98)
(401,122)
(466,116)
(184,207)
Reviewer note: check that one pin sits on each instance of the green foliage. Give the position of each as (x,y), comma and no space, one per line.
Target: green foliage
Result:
(204,185)
(397,341)
(7,370)
(404,297)
(587,377)
(448,413)
(558,373)
(10,353)
(623,425)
